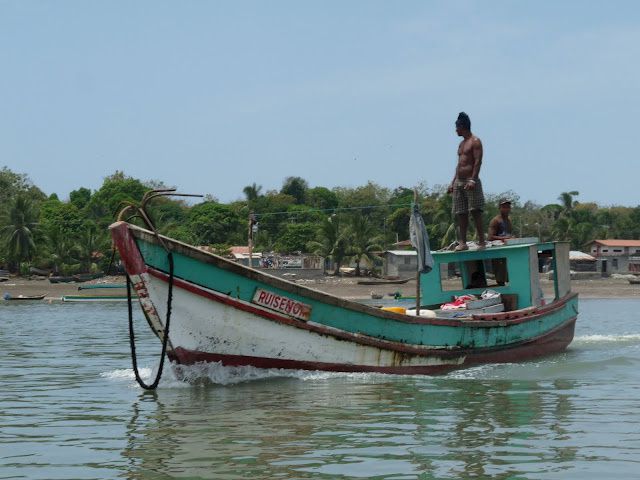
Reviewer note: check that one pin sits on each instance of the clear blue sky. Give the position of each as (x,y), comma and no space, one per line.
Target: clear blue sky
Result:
(210,96)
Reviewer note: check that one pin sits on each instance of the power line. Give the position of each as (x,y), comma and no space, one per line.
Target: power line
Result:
(302,212)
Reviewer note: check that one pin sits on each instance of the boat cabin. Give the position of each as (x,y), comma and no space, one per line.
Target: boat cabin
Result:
(511,270)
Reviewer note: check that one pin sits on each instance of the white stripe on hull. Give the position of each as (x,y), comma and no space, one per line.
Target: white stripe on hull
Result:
(202,325)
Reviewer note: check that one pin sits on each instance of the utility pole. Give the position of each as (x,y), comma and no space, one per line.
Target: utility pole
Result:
(252,221)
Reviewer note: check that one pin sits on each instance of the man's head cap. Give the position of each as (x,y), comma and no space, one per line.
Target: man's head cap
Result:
(504,200)
(463,121)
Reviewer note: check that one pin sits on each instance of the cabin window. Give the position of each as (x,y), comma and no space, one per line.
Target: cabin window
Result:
(450,276)
(617,250)
(474,274)
(407,261)
(605,249)
(614,263)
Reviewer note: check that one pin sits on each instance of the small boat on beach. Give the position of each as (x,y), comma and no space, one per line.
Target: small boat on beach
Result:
(634,281)
(97,293)
(85,277)
(382,281)
(94,298)
(217,310)
(97,286)
(9,297)
(79,277)
(61,279)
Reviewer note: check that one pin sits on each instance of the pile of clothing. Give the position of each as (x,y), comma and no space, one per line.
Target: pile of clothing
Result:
(460,302)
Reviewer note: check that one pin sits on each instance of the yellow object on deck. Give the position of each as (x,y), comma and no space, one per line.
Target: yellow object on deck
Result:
(401,310)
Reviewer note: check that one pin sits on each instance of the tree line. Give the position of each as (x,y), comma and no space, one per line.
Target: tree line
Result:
(342,223)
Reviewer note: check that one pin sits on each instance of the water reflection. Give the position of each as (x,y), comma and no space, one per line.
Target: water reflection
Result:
(353,427)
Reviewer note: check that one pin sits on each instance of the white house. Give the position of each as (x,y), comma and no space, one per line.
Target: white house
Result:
(400,263)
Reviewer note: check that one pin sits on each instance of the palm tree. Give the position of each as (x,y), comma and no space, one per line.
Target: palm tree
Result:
(362,242)
(63,251)
(252,192)
(17,234)
(92,242)
(566,198)
(331,243)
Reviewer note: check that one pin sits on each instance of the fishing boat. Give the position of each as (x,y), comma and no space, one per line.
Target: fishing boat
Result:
(217,310)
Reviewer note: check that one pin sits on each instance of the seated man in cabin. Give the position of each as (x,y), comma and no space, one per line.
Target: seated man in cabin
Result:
(478,280)
(500,228)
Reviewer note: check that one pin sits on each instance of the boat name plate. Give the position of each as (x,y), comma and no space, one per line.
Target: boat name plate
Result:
(283,304)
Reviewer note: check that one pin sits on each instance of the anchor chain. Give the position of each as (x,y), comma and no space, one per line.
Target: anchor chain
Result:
(165,339)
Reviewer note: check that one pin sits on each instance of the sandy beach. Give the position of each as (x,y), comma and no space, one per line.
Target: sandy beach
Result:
(346,287)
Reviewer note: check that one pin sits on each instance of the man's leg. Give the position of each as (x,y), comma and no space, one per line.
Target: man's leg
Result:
(477,218)
(463,224)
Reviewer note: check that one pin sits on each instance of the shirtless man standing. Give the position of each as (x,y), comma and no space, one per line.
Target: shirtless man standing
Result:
(466,186)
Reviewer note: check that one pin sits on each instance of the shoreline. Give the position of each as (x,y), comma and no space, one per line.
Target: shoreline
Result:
(343,287)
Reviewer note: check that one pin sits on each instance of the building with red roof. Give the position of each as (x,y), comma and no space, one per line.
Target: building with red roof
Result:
(616,256)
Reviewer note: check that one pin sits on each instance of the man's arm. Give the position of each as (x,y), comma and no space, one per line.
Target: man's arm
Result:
(453,182)
(493,230)
(477,158)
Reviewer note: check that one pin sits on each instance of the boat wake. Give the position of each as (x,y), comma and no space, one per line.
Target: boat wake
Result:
(202,374)
(178,376)
(630,338)
(126,374)
(219,374)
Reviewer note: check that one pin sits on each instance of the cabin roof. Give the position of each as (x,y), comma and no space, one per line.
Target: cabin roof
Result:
(402,253)
(489,252)
(616,243)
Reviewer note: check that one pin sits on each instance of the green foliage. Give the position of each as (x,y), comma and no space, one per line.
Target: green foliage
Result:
(295,237)
(80,197)
(19,225)
(330,242)
(338,223)
(62,252)
(296,187)
(116,191)
(65,217)
(363,242)
(321,198)
(212,223)
(252,192)
(17,184)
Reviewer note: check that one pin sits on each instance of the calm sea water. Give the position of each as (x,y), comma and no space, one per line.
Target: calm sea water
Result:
(70,409)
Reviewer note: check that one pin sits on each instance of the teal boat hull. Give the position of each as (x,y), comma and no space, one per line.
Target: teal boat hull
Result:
(228,313)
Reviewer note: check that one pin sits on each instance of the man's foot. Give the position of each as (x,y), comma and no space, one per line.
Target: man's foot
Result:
(461,247)
(482,245)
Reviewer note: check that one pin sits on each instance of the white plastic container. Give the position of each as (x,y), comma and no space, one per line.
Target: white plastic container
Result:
(423,313)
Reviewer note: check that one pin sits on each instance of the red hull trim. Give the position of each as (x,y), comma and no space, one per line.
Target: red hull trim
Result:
(188,357)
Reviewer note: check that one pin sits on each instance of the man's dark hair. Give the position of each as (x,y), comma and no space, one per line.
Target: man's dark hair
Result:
(463,121)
